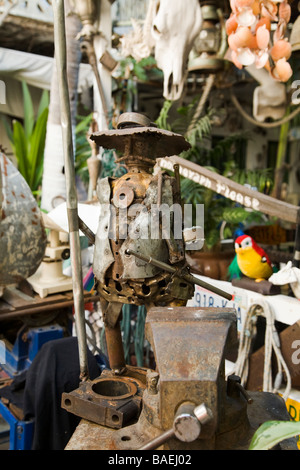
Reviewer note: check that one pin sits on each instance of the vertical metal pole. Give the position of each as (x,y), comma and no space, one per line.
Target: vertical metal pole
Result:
(61,61)
(296,258)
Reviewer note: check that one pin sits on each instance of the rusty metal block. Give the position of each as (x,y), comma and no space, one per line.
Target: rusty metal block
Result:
(189,345)
(109,400)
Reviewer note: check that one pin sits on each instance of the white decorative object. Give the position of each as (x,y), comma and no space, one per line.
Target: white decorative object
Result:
(288,275)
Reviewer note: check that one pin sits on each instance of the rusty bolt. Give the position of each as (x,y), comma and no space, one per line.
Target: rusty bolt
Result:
(186,427)
(189,419)
(152,382)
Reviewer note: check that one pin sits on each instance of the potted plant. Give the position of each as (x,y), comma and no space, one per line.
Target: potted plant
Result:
(28,140)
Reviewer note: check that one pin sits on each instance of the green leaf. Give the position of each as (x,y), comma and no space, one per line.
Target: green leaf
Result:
(162,120)
(20,148)
(83,123)
(7,128)
(28,111)
(235,215)
(139,72)
(44,103)
(271,433)
(36,150)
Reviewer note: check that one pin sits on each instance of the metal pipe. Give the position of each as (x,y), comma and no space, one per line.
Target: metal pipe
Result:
(87,231)
(158,441)
(187,277)
(115,349)
(159,188)
(72,209)
(296,257)
(177,177)
(1,185)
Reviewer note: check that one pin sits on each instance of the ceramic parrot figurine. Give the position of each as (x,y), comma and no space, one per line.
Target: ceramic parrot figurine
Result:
(251,259)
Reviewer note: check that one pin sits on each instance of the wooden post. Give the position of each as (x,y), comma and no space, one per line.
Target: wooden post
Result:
(101,43)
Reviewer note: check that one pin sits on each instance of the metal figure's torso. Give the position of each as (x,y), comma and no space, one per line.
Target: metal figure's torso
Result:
(127,221)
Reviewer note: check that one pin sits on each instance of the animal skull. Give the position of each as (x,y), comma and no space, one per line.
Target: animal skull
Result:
(174,29)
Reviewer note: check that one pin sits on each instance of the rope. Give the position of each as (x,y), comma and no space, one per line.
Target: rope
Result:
(272,344)
(267,125)
(202,101)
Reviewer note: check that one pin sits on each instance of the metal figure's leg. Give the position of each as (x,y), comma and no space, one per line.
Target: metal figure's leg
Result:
(111,316)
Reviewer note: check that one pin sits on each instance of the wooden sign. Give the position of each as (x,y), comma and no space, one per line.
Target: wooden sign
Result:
(232,190)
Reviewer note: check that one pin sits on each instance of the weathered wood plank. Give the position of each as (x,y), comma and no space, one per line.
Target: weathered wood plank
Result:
(234,191)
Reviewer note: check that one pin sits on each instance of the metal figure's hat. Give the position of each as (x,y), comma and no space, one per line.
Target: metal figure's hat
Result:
(140,141)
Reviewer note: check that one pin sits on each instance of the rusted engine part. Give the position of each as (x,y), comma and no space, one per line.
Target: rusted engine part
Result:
(120,276)
(190,346)
(22,234)
(109,400)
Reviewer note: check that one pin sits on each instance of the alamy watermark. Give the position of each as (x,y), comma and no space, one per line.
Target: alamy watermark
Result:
(295,98)
(157,222)
(296,353)
(2,92)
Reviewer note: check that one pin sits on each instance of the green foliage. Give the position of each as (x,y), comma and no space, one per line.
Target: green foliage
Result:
(219,212)
(110,167)
(131,68)
(271,433)
(128,73)
(28,139)
(133,329)
(162,120)
(84,151)
(82,147)
(180,124)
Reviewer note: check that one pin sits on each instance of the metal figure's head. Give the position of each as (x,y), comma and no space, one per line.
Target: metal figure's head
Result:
(140,142)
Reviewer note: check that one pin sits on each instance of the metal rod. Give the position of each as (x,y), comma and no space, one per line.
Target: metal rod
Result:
(87,231)
(159,188)
(115,349)
(187,277)
(296,257)
(88,44)
(158,441)
(177,177)
(244,393)
(72,209)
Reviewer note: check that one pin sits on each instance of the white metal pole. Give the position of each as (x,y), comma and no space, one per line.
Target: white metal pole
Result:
(72,208)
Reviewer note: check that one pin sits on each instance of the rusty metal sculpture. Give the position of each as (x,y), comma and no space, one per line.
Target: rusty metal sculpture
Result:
(127,221)
(140,221)
(132,197)
(185,403)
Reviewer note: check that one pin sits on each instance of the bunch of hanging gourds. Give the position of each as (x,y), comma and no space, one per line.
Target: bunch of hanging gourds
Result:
(250,39)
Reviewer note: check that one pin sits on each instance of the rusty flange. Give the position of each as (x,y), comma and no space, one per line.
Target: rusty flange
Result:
(110,401)
(136,135)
